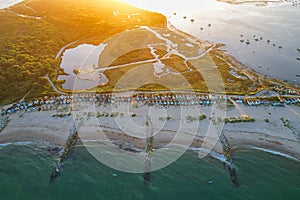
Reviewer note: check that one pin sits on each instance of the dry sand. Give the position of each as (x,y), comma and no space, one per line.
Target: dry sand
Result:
(41,126)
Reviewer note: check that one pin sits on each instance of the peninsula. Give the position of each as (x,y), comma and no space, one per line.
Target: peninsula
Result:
(185,72)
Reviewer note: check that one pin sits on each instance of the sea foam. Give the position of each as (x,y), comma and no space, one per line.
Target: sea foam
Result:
(276,153)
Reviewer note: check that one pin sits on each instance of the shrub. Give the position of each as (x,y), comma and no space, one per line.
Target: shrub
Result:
(190,118)
(202,117)
(168,117)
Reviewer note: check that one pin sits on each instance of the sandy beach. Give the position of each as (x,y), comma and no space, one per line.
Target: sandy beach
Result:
(37,126)
(118,130)
(128,131)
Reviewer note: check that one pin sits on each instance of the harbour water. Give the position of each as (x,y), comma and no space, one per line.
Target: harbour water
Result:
(229,24)
(224,23)
(25,172)
(86,56)
(8,3)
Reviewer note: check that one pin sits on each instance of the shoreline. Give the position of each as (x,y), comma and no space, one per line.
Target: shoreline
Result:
(251,74)
(10,3)
(57,134)
(46,145)
(237,64)
(256,2)
(259,134)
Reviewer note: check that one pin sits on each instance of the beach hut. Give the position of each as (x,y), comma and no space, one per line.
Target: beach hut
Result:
(239,101)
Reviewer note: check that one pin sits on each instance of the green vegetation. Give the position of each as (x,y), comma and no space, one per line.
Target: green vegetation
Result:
(239,119)
(289,125)
(217,120)
(61,115)
(106,114)
(27,52)
(269,99)
(167,118)
(232,83)
(114,114)
(102,114)
(3,123)
(286,122)
(266,120)
(190,119)
(202,117)
(194,74)
(28,46)
(91,114)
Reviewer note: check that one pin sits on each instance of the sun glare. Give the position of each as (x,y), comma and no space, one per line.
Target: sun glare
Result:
(174,5)
(139,3)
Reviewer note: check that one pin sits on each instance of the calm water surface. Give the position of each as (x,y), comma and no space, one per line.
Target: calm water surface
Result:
(25,172)
(279,24)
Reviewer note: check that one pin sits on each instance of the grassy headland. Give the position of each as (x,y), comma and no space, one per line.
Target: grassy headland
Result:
(32,33)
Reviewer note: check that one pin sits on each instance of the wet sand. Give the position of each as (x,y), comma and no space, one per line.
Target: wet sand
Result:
(41,126)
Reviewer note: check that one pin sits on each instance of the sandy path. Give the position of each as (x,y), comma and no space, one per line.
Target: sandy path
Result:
(53,86)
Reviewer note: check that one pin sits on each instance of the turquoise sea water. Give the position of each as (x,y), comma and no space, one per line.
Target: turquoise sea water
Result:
(25,172)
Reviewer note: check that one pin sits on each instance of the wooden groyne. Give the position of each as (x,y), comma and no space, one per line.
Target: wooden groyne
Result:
(70,142)
(226,147)
(149,150)
(231,168)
